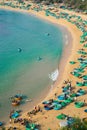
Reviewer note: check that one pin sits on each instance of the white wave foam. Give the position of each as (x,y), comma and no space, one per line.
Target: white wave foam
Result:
(54,75)
(66,39)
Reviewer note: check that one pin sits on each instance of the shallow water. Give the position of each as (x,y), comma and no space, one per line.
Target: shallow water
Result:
(22,72)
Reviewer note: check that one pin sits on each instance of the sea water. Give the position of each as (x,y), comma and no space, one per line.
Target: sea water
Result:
(24,39)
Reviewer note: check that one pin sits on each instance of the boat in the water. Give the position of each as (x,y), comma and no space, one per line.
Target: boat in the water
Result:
(53,76)
(15,103)
(39,58)
(19,49)
(18,97)
(47,34)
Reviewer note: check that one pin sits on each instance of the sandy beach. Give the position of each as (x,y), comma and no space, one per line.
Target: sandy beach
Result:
(47,119)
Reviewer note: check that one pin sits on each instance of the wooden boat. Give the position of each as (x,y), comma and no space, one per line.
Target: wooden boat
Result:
(18,97)
(39,58)
(15,103)
(19,49)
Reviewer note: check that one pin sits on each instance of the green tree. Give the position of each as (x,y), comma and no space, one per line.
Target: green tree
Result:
(77,125)
(20,1)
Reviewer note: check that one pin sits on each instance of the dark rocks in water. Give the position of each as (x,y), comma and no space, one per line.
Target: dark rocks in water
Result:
(19,49)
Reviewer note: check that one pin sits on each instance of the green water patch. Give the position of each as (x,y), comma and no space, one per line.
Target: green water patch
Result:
(21,70)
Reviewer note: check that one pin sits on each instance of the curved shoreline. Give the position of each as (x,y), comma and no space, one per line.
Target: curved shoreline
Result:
(67,68)
(65,49)
(47,91)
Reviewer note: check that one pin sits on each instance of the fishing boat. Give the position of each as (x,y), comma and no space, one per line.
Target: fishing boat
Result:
(53,76)
(18,97)
(19,49)
(15,103)
(39,58)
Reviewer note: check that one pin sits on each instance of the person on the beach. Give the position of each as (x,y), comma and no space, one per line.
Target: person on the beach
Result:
(67,117)
(10,120)
(63,87)
(75,98)
(65,96)
(35,108)
(70,89)
(38,108)
(84,102)
(29,119)
(55,95)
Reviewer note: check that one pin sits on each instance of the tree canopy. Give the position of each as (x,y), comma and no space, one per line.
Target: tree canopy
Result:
(75,4)
(77,125)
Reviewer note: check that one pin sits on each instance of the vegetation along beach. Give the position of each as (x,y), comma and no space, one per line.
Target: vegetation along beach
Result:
(43,65)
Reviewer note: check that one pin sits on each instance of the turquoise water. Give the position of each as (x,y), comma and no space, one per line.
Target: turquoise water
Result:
(21,71)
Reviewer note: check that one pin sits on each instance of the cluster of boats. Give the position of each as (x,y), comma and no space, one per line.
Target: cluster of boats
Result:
(16,100)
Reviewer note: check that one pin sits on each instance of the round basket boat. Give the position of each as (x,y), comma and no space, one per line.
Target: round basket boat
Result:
(18,97)
(15,103)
